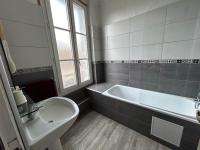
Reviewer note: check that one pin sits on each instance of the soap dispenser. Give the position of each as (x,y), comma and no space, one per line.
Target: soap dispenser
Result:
(20,99)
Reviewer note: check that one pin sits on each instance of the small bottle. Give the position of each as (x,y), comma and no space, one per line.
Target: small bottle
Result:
(198,114)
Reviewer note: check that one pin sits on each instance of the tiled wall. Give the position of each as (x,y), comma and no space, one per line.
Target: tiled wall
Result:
(117,10)
(136,49)
(169,32)
(173,78)
(25,32)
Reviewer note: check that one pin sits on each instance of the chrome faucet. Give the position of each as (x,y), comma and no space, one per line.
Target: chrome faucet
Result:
(197,101)
(31,108)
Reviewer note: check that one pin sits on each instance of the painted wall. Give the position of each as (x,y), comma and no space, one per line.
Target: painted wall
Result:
(168,32)
(25,33)
(96,30)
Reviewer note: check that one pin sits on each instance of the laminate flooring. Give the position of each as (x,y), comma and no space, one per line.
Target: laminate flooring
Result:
(94,131)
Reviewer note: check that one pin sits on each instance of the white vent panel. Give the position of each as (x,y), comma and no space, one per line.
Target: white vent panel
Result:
(167,131)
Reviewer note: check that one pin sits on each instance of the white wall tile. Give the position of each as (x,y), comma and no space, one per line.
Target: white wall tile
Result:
(136,38)
(21,10)
(153,35)
(182,30)
(195,52)
(181,50)
(149,19)
(29,57)
(183,10)
(146,52)
(150,34)
(117,10)
(118,28)
(155,17)
(117,54)
(20,34)
(137,22)
(119,41)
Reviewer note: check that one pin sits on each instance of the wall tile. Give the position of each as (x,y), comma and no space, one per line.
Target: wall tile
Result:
(136,38)
(117,68)
(149,19)
(144,85)
(27,57)
(194,72)
(117,54)
(177,50)
(146,52)
(179,36)
(20,34)
(195,49)
(182,71)
(155,17)
(117,28)
(183,10)
(182,30)
(137,22)
(117,78)
(136,71)
(167,71)
(153,35)
(172,86)
(191,89)
(119,41)
(22,11)
(150,73)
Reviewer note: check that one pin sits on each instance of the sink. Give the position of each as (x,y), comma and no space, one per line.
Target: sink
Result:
(56,116)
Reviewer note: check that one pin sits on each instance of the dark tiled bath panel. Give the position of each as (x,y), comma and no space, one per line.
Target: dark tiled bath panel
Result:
(139,119)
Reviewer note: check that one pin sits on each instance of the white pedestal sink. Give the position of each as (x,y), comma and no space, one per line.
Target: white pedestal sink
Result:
(55,117)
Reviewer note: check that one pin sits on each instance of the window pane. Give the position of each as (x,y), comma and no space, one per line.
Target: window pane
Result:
(79,18)
(63,40)
(82,46)
(84,70)
(68,73)
(59,13)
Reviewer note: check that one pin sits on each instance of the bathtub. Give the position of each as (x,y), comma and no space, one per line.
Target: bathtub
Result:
(181,107)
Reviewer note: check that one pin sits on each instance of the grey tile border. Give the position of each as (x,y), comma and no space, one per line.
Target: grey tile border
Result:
(171,61)
(32,70)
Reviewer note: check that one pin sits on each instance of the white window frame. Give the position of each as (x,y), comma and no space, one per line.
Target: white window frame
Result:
(61,89)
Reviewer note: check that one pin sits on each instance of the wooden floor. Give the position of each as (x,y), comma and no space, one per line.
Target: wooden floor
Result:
(97,132)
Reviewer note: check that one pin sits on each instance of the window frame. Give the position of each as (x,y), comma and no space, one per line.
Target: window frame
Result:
(51,27)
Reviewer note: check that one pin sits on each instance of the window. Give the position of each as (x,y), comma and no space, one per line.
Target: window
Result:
(68,26)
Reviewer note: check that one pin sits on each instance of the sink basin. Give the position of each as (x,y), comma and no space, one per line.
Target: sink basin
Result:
(55,117)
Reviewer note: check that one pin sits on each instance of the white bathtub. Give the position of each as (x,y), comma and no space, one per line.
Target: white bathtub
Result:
(178,106)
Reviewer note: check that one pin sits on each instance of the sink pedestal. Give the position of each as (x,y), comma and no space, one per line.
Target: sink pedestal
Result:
(56,146)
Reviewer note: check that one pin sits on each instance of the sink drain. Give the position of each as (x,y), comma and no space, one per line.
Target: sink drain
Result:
(50,121)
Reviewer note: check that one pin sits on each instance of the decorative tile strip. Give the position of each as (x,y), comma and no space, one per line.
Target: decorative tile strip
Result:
(32,70)
(166,61)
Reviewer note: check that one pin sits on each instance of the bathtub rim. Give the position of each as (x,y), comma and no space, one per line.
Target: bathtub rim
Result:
(173,114)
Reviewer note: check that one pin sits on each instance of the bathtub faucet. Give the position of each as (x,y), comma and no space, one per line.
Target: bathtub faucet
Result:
(197,101)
